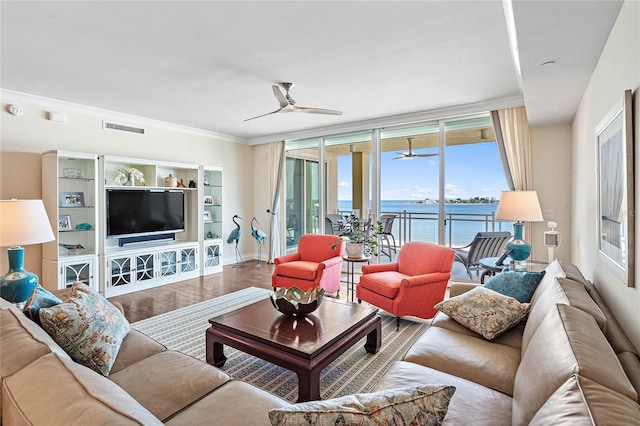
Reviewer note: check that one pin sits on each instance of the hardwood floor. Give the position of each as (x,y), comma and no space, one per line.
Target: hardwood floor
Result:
(155,301)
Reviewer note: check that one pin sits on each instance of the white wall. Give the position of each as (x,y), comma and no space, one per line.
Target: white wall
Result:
(22,138)
(618,69)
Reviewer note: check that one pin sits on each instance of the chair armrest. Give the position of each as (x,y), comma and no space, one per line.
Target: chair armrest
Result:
(332,261)
(461,286)
(379,267)
(286,258)
(416,280)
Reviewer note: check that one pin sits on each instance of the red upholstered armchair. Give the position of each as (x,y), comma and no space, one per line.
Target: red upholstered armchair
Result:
(412,285)
(318,262)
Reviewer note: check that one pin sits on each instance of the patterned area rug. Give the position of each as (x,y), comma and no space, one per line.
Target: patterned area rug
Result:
(355,371)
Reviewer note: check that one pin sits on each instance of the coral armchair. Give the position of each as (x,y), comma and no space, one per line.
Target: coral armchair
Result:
(317,263)
(413,285)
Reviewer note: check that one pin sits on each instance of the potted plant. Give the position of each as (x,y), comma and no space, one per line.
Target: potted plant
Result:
(361,237)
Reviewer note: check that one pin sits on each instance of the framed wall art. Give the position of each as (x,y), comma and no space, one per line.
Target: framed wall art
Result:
(616,204)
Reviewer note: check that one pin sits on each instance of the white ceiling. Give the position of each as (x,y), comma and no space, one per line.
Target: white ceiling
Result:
(210,64)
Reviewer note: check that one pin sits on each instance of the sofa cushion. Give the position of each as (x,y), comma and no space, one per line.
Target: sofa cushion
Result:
(74,395)
(135,347)
(572,272)
(40,298)
(300,269)
(631,366)
(583,401)
(423,404)
(234,403)
(516,284)
(166,382)
(568,341)
(615,335)
(559,290)
(485,311)
(471,403)
(88,327)
(473,358)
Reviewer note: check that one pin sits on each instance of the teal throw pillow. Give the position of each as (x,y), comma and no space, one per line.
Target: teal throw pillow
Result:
(40,298)
(517,284)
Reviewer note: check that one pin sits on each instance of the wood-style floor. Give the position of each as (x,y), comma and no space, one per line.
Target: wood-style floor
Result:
(155,301)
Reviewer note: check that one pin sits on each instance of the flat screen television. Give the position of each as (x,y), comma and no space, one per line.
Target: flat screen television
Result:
(140,212)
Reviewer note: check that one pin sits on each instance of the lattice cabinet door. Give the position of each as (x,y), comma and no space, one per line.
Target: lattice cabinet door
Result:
(77,271)
(168,263)
(145,267)
(212,257)
(188,259)
(120,271)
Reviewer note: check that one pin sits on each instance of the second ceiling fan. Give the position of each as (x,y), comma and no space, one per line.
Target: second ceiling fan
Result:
(410,154)
(288,104)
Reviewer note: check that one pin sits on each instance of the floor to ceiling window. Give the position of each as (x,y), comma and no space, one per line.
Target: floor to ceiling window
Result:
(441,179)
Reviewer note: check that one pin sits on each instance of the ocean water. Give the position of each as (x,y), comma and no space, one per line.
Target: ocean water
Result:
(418,222)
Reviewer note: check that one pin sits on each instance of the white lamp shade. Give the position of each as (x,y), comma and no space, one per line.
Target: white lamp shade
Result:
(24,222)
(520,206)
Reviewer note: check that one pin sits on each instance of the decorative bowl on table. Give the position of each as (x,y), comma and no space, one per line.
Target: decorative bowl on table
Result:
(295,302)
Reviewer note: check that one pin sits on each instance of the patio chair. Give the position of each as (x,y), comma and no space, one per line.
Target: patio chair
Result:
(387,226)
(484,244)
(333,224)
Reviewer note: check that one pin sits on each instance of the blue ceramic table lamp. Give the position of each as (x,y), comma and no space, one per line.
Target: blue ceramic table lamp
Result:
(22,222)
(519,206)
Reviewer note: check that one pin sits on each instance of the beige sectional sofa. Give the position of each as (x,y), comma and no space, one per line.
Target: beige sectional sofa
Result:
(569,363)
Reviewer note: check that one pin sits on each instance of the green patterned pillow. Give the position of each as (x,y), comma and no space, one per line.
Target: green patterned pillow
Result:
(484,311)
(420,405)
(516,284)
(88,327)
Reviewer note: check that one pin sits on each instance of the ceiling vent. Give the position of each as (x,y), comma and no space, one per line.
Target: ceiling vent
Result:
(122,127)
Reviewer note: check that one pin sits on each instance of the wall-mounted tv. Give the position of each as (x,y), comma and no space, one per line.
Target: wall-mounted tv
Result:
(134,212)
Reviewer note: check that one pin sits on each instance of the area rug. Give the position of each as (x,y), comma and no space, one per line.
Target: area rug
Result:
(355,371)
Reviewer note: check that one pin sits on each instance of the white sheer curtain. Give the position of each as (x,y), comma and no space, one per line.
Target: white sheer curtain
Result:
(514,142)
(276,158)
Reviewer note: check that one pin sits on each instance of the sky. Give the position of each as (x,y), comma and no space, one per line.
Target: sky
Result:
(472,170)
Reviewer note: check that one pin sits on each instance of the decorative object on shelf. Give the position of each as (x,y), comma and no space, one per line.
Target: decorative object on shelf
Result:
(294,302)
(208,199)
(64,223)
(259,236)
(206,180)
(128,176)
(84,226)
(72,248)
(72,199)
(22,222)
(519,206)
(72,172)
(361,236)
(181,184)
(210,235)
(192,184)
(170,181)
(234,237)
(207,216)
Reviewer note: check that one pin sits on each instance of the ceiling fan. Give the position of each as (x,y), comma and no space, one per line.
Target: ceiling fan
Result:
(410,154)
(288,104)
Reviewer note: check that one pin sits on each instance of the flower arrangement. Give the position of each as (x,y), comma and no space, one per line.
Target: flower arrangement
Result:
(126,175)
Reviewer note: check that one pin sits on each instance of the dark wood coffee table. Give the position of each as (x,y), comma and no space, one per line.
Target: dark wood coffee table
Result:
(303,345)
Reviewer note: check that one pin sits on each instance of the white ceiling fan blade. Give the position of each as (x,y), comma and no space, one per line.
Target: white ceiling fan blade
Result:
(424,155)
(280,96)
(269,113)
(317,110)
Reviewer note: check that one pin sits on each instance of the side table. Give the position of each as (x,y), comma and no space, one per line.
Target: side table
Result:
(351,266)
(490,267)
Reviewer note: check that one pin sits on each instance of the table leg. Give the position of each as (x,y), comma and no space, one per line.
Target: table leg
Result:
(309,385)
(215,351)
(374,338)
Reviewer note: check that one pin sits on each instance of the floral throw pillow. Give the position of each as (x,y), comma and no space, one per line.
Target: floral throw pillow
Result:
(88,327)
(420,405)
(484,311)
